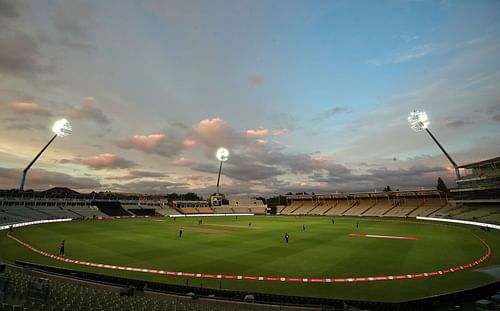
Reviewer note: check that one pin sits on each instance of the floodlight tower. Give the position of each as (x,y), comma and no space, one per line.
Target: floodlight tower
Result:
(60,128)
(419,121)
(222,155)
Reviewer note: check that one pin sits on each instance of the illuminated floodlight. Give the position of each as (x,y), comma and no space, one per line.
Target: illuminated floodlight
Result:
(62,128)
(222,154)
(418,120)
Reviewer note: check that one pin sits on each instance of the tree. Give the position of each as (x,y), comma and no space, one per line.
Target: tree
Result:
(441,186)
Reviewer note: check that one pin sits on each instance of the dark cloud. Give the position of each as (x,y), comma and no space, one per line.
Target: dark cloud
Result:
(330,113)
(72,20)
(107,161)
(413,177)
(40,179)
(20,54)
(242,171)
(139,174)
(458,123)
(8,9)
(255,79)
(87,110)
(160,187)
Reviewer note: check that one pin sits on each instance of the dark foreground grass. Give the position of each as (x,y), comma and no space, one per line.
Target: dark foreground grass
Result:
(228,245)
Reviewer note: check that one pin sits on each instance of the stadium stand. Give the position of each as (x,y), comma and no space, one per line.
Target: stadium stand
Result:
(361,206)
(167,211)
(87,212)
(320,208)
(35,290)
(111,208)
(380,208)
(305,208)
(205,210)
(404,207)
(430,206)
(339,208)
(224,209)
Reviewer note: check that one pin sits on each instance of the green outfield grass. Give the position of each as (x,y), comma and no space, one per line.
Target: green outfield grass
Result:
(227,245)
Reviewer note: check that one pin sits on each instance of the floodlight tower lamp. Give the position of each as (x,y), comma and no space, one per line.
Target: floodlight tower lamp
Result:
(60,128)
(418,122)
(222,155)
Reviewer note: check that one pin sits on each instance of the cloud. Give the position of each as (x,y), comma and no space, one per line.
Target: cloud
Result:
(72,21)
(330,113)
(413,177)
(417,51)
(20,54)
(181,162)
(40,179)
(458,123)
(214,133)
(255,79)
(160,144)
(157,187)
(107,161)
(138,174)
(258,133)
(280,132)
(87,110)
(29,108)
(8,9)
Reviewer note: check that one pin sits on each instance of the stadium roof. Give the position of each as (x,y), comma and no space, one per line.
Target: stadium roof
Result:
(495,160)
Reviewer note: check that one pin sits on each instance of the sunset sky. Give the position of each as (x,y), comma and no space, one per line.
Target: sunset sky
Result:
(306,95)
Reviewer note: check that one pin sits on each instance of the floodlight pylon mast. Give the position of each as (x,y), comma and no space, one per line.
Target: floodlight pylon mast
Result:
(25,171)
(218,178)
(455,166)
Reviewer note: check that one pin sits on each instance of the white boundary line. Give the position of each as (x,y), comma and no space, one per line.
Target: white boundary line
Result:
(464,222)
(36,222)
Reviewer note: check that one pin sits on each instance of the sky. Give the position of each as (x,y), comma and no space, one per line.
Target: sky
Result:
(306,95)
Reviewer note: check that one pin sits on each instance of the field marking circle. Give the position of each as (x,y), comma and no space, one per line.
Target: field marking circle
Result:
(273,278)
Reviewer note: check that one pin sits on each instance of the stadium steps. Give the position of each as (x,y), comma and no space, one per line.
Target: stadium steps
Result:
(393,207)
(79,215)
(46,215)
(290,208)
(350,207)
(20,215)
(416,208)
(293,211)
(366,210)
(315,207)
(333,206)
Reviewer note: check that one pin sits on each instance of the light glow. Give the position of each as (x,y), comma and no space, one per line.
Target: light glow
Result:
(222,154)
(418,120)
(62,128)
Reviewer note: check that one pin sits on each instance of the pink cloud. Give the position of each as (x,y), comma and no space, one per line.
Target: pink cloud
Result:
(181,162)
(155,143)
(32,108)
(189,142)
(142,142)
(214,133)
(259,133)
(107,161)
